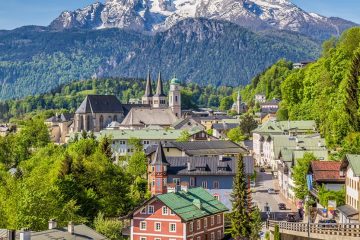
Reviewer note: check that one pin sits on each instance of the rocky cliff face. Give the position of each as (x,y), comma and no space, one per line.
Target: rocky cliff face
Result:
(152,16)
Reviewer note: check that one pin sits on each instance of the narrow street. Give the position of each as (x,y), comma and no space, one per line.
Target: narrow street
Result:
(261,197)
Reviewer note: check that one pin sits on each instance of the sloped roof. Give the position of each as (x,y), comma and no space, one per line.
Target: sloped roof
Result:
(148,88)
(268,127)
(194,148)
(100,104)
(146,116)
(182,203)
(348,211)
(64,117)
(300,125)
(354,162)
(225,126)
(326,171)
(159,158)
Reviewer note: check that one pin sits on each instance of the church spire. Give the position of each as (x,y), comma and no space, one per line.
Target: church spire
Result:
(159,87)
(148,89)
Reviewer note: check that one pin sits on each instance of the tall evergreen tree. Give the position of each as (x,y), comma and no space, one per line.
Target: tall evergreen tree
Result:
(352,93)
(240,216)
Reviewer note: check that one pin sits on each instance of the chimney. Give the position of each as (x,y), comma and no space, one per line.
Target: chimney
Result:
(52,224)
(184,186)
(11,234)
(25,234)
(171,188)
(71,228)
(197,203)
(188,164)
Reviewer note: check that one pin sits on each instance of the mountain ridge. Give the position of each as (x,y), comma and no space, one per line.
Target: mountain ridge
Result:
(152,16)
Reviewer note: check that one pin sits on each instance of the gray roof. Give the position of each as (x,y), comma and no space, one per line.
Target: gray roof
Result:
(64,117)
(209,166)
(80,232)
(348,210)
(148,88)
(145,116)
(100,104)
(225,126)
(185,123)
(200,148)
(128,107)
(159,158)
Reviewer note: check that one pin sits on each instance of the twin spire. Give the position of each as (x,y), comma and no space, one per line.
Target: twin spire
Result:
(159,87)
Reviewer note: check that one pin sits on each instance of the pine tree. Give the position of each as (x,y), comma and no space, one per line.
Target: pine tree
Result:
(352,93)
(240,216)
(256,223)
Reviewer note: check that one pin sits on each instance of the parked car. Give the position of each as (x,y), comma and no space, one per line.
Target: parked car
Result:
(262,169)
(291,217)
(282,206)
(271,191)
(327,223)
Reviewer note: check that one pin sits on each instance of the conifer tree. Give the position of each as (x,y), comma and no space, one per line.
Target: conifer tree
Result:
(240,216)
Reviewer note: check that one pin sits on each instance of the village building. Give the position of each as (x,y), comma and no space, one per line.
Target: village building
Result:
(213,173)
(260,98)
(187,123)
(350,168)
(239,106)
(220,130)
(191,213)
(59,126)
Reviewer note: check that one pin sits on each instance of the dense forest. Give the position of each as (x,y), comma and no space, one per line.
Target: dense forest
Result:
(35,60)
(68,98)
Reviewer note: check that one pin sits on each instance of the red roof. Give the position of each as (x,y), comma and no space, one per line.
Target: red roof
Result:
(326,171)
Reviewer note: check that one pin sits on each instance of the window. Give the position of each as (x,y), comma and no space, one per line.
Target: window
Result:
(219,234)
(217,197)
(146,142)
(150,209)
(205,222)
(212,220)
(218,219)
(192,181)
(212,236)
(172,212)
(176,181)
(142,238)
(157,239)
(172,227)
(157,226)
(198,238)
(143,210)
(142,225)
(164,211)
(176,98)
(158,182)
(204,184)
(216,184)
(198,224)
(191,226)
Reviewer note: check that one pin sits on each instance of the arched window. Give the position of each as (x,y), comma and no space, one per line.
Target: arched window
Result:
(101,122)
(88,122)
(115,118)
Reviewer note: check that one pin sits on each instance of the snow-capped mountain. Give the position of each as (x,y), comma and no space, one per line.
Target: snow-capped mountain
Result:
(159,15)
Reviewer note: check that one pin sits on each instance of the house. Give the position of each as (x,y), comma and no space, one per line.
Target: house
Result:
(59,127)
(191,213)
(287,159)
(72,231)
(221,129)
(199,148)
(302,64)
(4,130)
(239,106)
(148,137)
(260,98)
(187,123)
(213,173)
(207,122)
(350,168)
(139,118)
(327,173)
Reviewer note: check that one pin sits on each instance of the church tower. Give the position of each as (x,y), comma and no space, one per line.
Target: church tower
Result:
(175,97)
(147,98)
(158,172)
(238,103)
(159,99)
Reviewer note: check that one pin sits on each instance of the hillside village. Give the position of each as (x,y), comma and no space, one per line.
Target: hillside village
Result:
(191,164)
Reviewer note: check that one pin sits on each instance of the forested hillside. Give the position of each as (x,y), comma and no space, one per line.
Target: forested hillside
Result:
(69,97)
(36,60)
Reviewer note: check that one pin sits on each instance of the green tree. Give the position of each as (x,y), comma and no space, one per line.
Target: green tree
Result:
(351,144)
(236,135)
(184,137)
(226,103)
(325,195)
(136,143)
(137,164)
(256,223)
(109,228)
(277,233)
(240,217)
(247,124)
(300,171)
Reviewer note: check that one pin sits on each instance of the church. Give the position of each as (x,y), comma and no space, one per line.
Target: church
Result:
(97,112)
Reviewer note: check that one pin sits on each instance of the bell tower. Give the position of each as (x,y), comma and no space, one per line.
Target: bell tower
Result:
(175,97)
(158,172)
(159,99)
(238,103)
(147,98)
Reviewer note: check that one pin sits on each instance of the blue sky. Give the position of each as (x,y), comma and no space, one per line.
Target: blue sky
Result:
(16,13)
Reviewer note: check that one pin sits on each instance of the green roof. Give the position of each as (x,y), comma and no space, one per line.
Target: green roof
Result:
(268,127)
(175,80)
(147,134)
(182,203)
(354,162)
(281,126)
(290,154)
